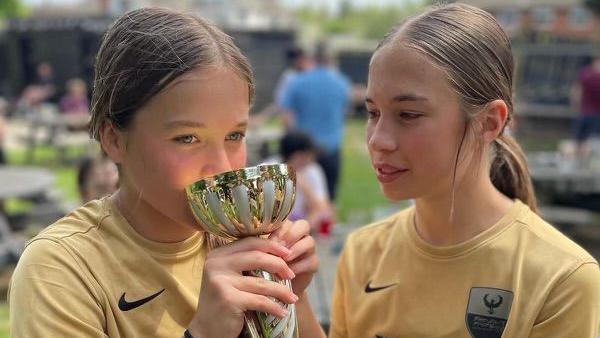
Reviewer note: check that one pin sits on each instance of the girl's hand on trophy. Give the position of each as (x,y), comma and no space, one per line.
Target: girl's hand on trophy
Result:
(303,259)
(226,293)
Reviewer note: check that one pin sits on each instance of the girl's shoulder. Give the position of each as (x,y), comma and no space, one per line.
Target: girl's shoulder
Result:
(544,238)
(79,221)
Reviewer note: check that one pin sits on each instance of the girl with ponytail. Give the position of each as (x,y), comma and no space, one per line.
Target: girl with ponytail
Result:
(471,257)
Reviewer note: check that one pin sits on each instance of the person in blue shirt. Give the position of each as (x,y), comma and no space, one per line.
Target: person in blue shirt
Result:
(316,102)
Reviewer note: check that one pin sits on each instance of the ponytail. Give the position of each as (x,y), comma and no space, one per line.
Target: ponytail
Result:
(509,172)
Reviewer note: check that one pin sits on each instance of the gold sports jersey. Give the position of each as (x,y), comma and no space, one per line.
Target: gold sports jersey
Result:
(519,278)
(91,275)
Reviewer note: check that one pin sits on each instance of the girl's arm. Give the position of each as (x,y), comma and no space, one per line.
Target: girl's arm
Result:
(308,326)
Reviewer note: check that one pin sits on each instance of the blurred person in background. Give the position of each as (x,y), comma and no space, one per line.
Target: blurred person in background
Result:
(40,91)
(298,150)
(297,62)
(96,178)
(45,77)
(75,101)
(75,106)
(316,102)
(585,96)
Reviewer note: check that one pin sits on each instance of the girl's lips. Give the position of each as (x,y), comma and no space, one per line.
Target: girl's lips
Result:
(386,173)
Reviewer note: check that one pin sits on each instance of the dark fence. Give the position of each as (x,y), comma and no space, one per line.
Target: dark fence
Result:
(70,46)
(546,72)
(545,75)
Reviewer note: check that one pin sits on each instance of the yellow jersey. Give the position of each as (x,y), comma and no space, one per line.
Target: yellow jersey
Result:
(519,278)
(91,275)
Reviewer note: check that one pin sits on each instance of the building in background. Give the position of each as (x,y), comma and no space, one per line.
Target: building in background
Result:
(229,14)
(67,35)
(552,40)
(543,19)
(245,14)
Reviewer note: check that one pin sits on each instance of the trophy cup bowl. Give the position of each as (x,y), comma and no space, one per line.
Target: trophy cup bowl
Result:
(253,201)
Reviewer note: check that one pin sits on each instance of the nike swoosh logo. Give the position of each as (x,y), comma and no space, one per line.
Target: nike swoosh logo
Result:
(126,306)
(369,289)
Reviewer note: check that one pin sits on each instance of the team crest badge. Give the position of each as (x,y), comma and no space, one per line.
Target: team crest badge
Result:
(488,312)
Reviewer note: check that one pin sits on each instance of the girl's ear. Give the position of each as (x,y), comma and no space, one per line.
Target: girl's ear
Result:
(112,142)
(493,120)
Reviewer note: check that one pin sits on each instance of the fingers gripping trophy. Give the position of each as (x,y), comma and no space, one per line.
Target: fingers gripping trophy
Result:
(253,201)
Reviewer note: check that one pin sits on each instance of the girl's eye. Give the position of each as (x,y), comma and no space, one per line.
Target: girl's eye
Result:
(371,114)
(237,136)
(409,116)
(185,139)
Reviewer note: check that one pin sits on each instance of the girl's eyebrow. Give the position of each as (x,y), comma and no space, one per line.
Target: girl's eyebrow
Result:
(401,98)
(194,124)
(408,97)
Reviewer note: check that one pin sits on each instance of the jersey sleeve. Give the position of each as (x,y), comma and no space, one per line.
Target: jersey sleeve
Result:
(51,296)
(572,308)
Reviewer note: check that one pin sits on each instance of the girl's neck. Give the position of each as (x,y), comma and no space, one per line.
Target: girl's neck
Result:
(147,221)
(478,205)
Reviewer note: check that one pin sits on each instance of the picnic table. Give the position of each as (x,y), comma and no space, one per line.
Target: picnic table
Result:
(48,126)
(557,174)
(568,189)
(19,182)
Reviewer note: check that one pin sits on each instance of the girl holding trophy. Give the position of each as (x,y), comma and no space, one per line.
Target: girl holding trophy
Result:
(471,257)
(170,106)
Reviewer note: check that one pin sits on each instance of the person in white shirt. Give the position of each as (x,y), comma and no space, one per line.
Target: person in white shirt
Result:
(298,150)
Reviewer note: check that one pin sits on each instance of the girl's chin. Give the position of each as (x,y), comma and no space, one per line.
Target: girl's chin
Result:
(396,195)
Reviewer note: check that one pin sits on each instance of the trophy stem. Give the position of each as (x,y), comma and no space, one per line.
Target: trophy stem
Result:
(259,324)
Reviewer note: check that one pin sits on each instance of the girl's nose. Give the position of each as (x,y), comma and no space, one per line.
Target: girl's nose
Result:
(381,138)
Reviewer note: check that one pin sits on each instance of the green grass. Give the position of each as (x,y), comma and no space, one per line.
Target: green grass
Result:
(359,193)
(4,321)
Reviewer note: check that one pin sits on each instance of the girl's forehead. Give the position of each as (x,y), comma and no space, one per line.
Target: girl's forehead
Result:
(401,74)
(201,74)
(397,58)
(202,96)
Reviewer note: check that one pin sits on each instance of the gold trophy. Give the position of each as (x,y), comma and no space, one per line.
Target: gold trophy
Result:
(253,201)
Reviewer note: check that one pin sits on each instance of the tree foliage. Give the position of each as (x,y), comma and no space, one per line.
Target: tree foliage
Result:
(12,9)
(370,22)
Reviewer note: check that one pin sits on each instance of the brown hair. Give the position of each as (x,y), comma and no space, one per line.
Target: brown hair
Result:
(469,45)
(144,51)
